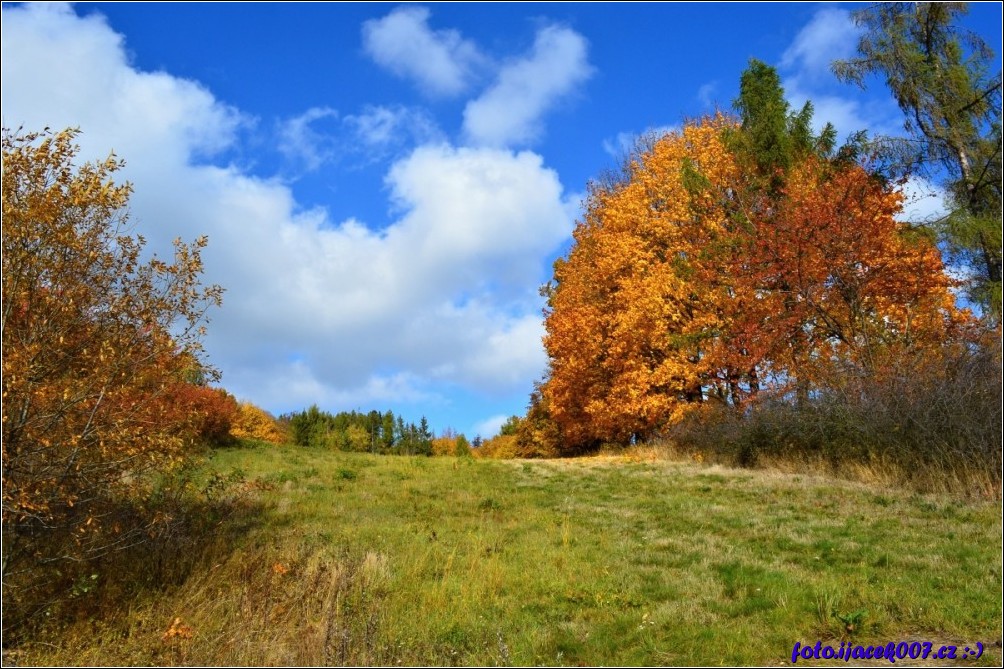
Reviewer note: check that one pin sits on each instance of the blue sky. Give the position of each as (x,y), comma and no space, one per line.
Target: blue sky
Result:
(385,186)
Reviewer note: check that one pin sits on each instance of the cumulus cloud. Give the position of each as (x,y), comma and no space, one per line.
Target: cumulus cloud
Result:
(440,62)
(302,143)
(830,35)
(64,70)
(510,111)
(315,309)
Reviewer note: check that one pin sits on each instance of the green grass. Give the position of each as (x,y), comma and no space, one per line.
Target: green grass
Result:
(602,561)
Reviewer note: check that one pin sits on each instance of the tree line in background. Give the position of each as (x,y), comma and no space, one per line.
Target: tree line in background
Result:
(372,432)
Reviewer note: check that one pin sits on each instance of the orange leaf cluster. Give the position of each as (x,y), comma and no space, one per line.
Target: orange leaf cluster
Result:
(178,630)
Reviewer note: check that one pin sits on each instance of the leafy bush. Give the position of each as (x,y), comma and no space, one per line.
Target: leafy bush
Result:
(935,419)
(501,447)
(99,354)
(253,422)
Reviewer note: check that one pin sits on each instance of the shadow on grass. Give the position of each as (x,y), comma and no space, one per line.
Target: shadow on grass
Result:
(149,539)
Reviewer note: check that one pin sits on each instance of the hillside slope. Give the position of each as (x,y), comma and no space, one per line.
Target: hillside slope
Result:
(359,559)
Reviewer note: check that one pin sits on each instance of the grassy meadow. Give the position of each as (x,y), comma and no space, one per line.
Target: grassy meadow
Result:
(617,560)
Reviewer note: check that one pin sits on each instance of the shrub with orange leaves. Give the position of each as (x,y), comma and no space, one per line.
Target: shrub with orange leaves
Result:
(253,422)
(202,414)
(95,342)
(500,447)
(444,446)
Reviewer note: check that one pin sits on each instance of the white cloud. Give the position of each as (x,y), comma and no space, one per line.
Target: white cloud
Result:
(706,93)
(315,309)
(491,202)
(300,142)
(925,202)
(510,111)
(378,126)
(624,143)
(848,115)
(373,135)
(829,36)
(381,128)
(47,44)
(294,385)
(620,146)
(490,427)
(441,62)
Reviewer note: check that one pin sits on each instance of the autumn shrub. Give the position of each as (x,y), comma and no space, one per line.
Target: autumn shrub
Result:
(95,344)
(444,445)
(253,422)
(204,415)
(500,447)
(451,443)
(934,420)
(217,410)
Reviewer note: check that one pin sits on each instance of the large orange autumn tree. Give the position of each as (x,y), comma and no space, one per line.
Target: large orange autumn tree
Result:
(734,256)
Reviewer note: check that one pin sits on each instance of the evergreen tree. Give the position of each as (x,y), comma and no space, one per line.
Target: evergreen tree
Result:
(423,438)
(387,431)
(951,99)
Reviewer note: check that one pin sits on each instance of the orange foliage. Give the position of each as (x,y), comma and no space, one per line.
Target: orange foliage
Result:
(833,284)
(450,443)
(625,321)
(444,445)
(96,343)
(200,413)
(688,281)
(253,422)
(500,447)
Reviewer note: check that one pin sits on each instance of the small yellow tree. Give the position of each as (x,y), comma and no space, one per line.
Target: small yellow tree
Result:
(255,423)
